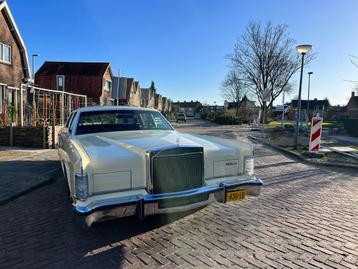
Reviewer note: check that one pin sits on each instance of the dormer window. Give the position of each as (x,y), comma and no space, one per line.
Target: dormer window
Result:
(5,53)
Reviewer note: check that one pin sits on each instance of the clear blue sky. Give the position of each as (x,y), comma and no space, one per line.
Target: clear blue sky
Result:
(181,44)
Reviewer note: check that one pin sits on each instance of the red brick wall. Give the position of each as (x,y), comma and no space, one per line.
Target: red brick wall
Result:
(88,85)
(11,74)
(105,94)
(92,86)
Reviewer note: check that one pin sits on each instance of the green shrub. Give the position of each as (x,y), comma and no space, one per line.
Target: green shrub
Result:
(226,119)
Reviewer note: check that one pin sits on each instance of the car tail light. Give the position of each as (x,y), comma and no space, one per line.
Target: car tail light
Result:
(81,185)
(249,166)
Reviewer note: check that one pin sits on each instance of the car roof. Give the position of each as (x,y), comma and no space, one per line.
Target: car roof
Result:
(114,108)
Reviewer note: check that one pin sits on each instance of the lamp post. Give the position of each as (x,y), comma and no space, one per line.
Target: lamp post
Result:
(283,107)
(303,50)
(118,87)
(33,65)
(308,95)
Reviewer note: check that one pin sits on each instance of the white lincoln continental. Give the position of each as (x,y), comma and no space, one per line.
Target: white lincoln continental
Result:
(127,161)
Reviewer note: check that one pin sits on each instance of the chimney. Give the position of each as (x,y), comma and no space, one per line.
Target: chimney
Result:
(353,93)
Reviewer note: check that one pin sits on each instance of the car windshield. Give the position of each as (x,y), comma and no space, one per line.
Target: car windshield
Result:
(121,120)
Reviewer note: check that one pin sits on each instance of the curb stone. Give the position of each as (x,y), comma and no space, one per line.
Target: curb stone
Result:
(299,157)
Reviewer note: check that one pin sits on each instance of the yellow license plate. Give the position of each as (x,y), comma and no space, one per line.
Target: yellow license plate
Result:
(235,196)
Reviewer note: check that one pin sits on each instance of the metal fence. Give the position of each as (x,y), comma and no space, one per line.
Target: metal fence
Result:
(34,106)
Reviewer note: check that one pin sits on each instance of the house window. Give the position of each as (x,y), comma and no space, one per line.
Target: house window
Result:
(2,96)
(108,85)
(60,83)
(5,53)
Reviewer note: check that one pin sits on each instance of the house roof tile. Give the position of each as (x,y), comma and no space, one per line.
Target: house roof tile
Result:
(73,68)
(312,103)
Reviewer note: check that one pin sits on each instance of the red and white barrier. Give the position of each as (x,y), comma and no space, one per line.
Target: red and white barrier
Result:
(316,131)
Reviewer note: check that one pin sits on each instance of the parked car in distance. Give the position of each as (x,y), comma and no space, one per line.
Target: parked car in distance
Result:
(127,161)
(181,117)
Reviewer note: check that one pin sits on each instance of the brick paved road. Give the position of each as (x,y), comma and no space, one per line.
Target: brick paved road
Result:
(306,217)
(21,170)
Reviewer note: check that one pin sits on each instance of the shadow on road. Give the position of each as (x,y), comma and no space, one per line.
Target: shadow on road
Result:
(19,177)
(45,233)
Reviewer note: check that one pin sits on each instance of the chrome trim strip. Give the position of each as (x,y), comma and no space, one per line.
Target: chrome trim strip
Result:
(156,210)
(176,155)
(149,198)
(160,148)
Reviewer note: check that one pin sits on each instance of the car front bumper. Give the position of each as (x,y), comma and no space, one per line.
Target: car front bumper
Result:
(150,204)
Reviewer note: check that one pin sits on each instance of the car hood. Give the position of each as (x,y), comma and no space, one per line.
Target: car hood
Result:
(138,142)
(113,151)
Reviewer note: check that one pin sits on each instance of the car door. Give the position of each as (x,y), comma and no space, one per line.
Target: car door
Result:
(66,132)
(64,148)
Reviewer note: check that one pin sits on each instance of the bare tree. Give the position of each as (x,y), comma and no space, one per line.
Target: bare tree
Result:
(233,89)
(354,60)
(266,58)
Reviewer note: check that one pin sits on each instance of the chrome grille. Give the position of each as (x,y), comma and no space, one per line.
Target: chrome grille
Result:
(177,169)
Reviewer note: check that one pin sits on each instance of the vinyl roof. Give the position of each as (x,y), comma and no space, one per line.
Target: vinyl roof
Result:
(108,108)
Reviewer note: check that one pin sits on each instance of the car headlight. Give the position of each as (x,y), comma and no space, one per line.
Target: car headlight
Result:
(249,166)
(81,186)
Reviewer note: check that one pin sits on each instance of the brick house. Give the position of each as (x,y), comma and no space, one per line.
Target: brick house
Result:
(158,101)
(213,109)
(14,68)
(118,90)
(246,109)
(147,97)
(93,79)
(310,108)
(135,95)
(190,109)
(164,104)
(352,107)
(167,106)
(129,91)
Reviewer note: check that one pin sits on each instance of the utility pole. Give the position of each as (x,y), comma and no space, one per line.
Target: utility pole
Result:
(118,81)
(283,107)
(303,50)
(308,96)
(33,65)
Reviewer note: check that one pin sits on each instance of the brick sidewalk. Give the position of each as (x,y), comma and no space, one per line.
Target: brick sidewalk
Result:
(306,217)
(22,170)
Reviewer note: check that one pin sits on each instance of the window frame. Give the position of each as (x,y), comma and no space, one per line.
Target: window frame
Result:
(107,85)
(2,95)
(70,125)
(63,82)
(77,126)
(2,53)
(69,120)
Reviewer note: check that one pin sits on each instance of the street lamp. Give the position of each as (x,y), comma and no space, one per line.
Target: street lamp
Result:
(308,95)
(303,50)
(33,65)
(118,87)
